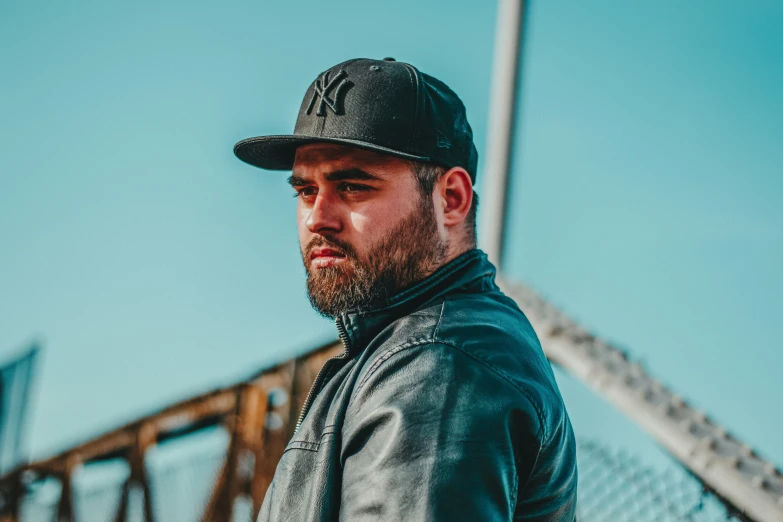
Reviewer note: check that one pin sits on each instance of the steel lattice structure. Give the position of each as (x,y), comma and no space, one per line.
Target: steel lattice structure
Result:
(733,470)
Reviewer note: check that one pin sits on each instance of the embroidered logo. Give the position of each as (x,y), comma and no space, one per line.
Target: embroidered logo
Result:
(328,92)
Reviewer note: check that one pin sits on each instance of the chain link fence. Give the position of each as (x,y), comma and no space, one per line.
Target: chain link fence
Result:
(617,486)
(614,486)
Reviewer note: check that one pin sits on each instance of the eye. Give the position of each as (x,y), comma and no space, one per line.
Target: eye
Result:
(305,192)
(353,187)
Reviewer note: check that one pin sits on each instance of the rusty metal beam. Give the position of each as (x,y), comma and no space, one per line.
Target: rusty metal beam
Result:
(11,500)
(247,428)
(172,420)
(123,439)
(145,439)
(65,511)
(259,412)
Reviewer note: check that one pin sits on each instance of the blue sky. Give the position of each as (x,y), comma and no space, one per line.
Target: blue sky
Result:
(152,264)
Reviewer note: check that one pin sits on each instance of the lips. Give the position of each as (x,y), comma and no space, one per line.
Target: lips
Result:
(325,252)
(322,257)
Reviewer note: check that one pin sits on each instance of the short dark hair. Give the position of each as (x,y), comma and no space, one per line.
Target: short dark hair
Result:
(427,174)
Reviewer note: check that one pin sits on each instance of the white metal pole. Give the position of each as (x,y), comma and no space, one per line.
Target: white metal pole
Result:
(500,128)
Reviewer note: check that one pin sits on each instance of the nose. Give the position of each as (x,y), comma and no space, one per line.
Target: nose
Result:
(324,215)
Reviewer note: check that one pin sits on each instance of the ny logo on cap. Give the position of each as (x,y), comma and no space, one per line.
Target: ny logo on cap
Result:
(327,88)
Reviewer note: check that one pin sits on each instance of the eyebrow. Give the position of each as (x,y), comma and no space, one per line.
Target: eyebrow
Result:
(337,175)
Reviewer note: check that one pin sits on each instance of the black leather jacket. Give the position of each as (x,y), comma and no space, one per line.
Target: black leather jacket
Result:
(442,407)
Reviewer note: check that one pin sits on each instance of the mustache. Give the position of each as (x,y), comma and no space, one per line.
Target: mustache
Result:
(330,242)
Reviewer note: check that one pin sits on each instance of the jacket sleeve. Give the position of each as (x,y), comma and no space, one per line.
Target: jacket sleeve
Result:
(434,434)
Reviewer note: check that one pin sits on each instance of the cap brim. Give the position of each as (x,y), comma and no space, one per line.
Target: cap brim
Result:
(277,152)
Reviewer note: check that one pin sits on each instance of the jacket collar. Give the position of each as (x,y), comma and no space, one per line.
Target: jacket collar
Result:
(470,272)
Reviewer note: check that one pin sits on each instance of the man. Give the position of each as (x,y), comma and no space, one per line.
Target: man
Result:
(442,405)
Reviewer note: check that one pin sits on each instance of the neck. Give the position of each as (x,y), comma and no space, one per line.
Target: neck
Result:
(455,249)
(452,252)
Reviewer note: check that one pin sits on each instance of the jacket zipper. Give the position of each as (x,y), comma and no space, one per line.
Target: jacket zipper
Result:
(315,388)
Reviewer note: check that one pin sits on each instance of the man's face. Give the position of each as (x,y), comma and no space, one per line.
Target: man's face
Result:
(365,230)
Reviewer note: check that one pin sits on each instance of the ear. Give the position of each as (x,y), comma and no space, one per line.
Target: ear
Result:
(456,195)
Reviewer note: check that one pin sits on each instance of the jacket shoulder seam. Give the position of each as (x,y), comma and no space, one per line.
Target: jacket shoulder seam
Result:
(411,344)
(382,359)
(539,414)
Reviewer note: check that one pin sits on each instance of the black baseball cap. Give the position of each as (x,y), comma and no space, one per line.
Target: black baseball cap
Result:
(380,105)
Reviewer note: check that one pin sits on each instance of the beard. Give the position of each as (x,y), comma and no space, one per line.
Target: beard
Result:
(408,253)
